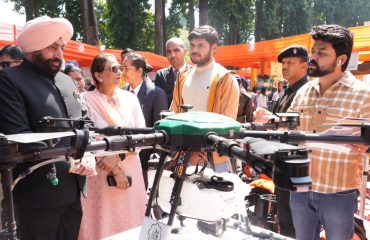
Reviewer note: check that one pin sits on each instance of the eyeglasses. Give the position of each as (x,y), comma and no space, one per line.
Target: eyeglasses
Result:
(115,68)
(7,64)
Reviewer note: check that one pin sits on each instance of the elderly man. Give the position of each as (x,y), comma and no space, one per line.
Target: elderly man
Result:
(28,93)
(166,77)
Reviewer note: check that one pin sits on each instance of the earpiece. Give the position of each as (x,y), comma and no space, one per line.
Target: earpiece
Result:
(339,62)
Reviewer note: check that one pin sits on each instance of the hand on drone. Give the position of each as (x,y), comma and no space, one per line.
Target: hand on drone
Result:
(84,167)
(196,157)
(349,131)
(262,115)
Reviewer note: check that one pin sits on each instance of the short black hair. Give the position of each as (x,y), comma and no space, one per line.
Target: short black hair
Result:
(205,31)
(340,37)
(70,68)
(125,51)
(13,51)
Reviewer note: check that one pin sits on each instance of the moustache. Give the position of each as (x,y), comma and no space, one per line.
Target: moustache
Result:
(57,60)
(313,62)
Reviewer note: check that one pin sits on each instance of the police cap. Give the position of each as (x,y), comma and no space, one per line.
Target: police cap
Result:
(293,51)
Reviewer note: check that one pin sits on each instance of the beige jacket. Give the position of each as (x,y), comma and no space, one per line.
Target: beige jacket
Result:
(223,96)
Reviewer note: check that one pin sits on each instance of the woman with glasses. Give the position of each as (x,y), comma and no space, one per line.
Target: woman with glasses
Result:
(109,210)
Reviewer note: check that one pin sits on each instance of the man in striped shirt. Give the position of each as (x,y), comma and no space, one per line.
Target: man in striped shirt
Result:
(335,172)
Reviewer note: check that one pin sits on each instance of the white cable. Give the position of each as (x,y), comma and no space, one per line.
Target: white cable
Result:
(34,167)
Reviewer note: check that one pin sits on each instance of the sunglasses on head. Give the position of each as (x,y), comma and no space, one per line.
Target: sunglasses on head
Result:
(115,68)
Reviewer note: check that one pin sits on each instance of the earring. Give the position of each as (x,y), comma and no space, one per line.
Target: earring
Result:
(100,79)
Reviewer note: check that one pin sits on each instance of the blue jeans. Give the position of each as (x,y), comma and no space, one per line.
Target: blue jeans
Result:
(311,210)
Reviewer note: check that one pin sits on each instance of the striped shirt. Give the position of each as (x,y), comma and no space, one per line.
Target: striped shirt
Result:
(331,170)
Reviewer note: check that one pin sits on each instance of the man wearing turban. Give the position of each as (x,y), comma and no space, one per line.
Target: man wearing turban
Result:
(47,209)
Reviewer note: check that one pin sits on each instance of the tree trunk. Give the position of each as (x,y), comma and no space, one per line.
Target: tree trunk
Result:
(89,25)
(258,27)
(30,10)
(191,15)
(233,31)
(164,24)
(158,45)
(203,12)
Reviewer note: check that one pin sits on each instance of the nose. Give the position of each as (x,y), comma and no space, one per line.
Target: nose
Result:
(59,53)
(172,54)
(313,56)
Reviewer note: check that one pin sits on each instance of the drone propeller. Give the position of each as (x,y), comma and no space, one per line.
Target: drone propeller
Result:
(36,137)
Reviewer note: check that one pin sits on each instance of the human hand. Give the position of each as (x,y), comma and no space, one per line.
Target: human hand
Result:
(195,157)
(120,178)
(262,115)
(107,163)
(84,167)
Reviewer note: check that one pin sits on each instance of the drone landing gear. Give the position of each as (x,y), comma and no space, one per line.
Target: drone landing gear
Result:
(151,226)
(6,168)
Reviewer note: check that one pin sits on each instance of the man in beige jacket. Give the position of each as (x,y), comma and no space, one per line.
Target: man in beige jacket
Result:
(208,86)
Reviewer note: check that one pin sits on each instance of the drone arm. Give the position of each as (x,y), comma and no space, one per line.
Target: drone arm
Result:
(231,148)
(114,143)
(111,131)
(298,137)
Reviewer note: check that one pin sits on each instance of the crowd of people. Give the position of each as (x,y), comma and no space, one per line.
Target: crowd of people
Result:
(34,85)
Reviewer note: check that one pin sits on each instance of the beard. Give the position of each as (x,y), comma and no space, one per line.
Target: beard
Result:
(202,60)
(47,65)
(317,71)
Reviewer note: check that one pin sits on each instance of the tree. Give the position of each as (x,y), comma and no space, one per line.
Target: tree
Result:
(268,19)
(69,9)
(203,12)
(127,23)
(191,15)
(180,17)
(90,32)
(233,20)
(30,9)
(345,13)
(159,25)
(292,13)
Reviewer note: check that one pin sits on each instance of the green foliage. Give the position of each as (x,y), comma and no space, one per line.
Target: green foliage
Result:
(233,20)
(177,12)
(69,9)
(129,24)
(73,14)
(345,13)
(268,19)
(295,17)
